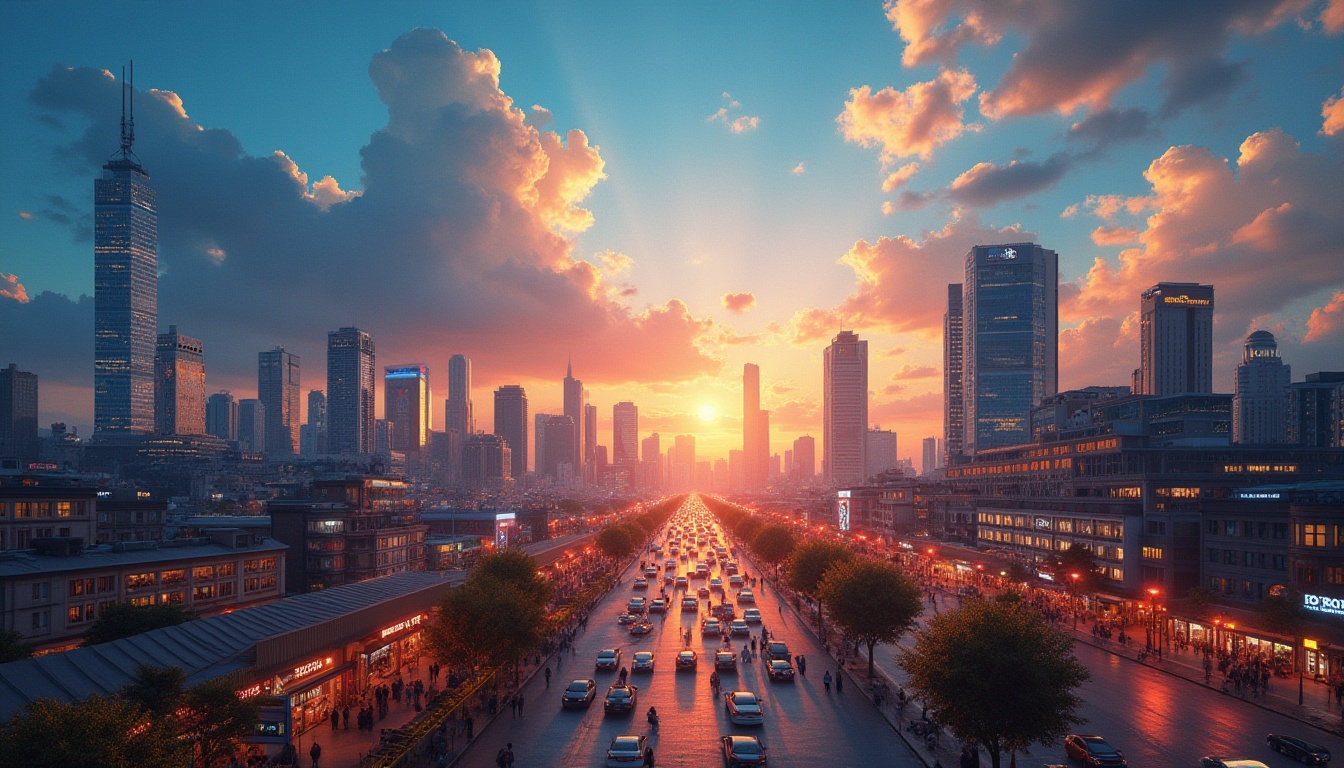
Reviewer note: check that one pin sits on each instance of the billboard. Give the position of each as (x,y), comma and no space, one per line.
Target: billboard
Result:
(842,509)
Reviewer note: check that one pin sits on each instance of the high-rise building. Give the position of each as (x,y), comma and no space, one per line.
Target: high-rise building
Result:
(589,441)
(511,424)
(755,430)
(930,460)
(313,436)
(221,416)
(18,415)
(486,461)
(1260,394)
(652,450)
(125,289)
(805,457)
(954,403)
(457,410)
(278,389)
(1010,341)
(555,446)
(252,426)
(179,387)
(880,451)
(574,400)
(406,403)
(1176,339)
(845,409)
(1316,410)
(625,434)
(350,392)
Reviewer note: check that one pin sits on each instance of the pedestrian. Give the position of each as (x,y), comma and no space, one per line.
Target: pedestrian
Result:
(471,727)
(802,665)
(513,706)
(548,677)
(345,716)
(826,680)
(520,704)
(648,757)
(315,753)
(335,718)
(508,755)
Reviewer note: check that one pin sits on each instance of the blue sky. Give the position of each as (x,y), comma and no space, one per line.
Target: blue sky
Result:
(695,210)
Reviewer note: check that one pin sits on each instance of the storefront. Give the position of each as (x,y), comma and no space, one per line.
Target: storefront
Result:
(394,648)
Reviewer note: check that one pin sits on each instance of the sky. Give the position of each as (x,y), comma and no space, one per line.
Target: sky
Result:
(662,193)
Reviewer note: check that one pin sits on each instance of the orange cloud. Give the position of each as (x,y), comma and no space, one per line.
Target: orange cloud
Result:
(738,302)
(1100,351)
(799,170)
(1332,17)
(573,168)
(1326,321)
(913,122)
(920,25)
(1114,235)
(1332,111)
(26,215)
(11,288)
(917,372)
(898,179)
(323,194)
(736,123)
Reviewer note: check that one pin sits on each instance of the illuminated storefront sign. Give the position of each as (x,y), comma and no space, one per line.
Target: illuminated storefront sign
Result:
(842,510)
(414,621)
(308,668)
(249,691)
(1001,254)
(1186,300)
(1333,606)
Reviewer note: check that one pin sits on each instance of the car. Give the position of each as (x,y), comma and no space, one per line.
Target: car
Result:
(642,662)
(738,627)
(703,592)
(726,660)
(641,628)
(681,582)
(736,581)
(636,604)
(579,694)
(781,670)
(627,618)
(669,565)
(659,605)
(667,577)
(627,750)
(731,567)
(743,708)
(711,626)
(640,583)
(651,571)
(716,583)
(776,649)
(687,660)
(702,571)
(621,698)
(746,596)
(752,615)
(1093,751)
(1302,751)
(609,658)
(690,603)
(1229,762)
(742,751)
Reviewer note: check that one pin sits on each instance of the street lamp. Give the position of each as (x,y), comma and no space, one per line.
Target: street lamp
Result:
(1073,582)
(1152,631)
(1301,667)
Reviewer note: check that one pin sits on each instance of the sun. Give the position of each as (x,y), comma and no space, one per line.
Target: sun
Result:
(708,413)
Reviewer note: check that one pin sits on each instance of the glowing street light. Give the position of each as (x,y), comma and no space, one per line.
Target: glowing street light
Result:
(1073,582)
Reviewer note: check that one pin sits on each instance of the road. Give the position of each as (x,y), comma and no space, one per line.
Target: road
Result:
(804,725)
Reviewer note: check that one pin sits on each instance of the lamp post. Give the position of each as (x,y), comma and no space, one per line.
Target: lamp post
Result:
(1301,667)
(1073,583)
(1152,608)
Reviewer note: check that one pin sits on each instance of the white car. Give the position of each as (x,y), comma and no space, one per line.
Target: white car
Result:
(752,615)
(746,596)
(743,708)
(642,662)
(626,751)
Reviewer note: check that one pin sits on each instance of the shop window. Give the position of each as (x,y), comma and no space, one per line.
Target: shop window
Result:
(141,580)
(64,508)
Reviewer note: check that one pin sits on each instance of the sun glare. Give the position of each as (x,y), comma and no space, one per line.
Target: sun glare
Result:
(707,413)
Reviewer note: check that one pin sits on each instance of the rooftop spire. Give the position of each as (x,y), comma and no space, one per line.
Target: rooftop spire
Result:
(128,117)
(569,369)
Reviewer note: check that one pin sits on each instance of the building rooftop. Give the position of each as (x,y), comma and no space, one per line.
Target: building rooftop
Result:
(21,563)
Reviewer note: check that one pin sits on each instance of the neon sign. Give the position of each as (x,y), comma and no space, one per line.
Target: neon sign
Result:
(1001,254)
(1333,606)
(414,621)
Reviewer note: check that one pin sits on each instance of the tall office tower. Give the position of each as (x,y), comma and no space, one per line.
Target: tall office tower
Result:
(942,454)
(179,386)
(652,450)
(930,461)
(789,467)
(574,400)
(880,451)
(1260,394)
(313,436)
(954,403)
(278,389)
(805,456)
(406,403)
(1316,411)
(845,409)
(457,410)
(252,426)
(755,435)
(486,460)
(589,441)
(18,415)
(511,424)
(221,416)
(624,434)
(1010,341)
(1176,339)
(350,391)
(125,288)
(382,437)
(555,447)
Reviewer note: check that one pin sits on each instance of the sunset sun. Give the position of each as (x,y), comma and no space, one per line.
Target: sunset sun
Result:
(708,413)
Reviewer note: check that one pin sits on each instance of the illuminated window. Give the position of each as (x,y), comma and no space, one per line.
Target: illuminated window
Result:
(1313,535)
(1153,553)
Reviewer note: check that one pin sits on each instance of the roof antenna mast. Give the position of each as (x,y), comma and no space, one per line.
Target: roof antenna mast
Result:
(127,125)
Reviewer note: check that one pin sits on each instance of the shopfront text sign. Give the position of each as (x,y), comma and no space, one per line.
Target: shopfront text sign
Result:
(414,621)
(1333,606)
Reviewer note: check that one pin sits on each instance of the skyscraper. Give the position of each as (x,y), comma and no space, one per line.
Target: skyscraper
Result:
(278,383)
(555,446)
(350,392)
(650,448)
(406,403)
(125,289)
(221,416)
(252,426)
(18,415)
(845,409)
(1260,395)
(589,441)
(625,434)
(457,410)
(805,456)
(179,387)
(486,460)
(954,404)
(930,460)
(880,451)
(1010,338)
(313,436)
(574,400)
(1176,339)
(755,430)
(1316,410)
(511,424)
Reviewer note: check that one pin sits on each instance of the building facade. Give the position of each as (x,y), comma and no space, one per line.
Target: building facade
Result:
(880,451)
(755,430)
(252,426)
(1260,393)
(511,423)
(805,457)
(487,462)
(574,402)
(1176,339)
(555,447)
(954,403)
(18,415)
(179,386)
(350,392)
(313,435)
(221,416)
(406,399)
(278,386)
(625,434)
(845,409)
(929,461)
(1316,410)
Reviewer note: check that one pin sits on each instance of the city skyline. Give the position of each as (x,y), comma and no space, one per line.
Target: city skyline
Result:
(1135,177)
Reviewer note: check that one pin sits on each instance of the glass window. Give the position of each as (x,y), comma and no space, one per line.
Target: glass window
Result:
(1313,535)
(174,577)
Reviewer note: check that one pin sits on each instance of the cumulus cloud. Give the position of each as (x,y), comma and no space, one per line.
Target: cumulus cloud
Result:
(899,177)
(909,123)
(460,239)
(1327,321)
(987,184)
(798,170)
(738,302)
(917,372)
(730,115)
(1332,113)
(11,288)
(1332,17)
(1105,236)
(1081,54)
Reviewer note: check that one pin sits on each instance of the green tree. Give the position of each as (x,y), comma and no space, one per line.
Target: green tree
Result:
(811,559)
(155,689)
(515,567)
(1197,603)
(1078,558)
(1281,611)
(997,672)
(126,620)
(748,527)
(98,732)
(13,647)
(614,541)
(214,721)
(486,621)
(871,600)
(773,544)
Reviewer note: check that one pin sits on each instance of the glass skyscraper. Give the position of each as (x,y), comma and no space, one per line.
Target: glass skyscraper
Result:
(511,424)
(350,391)
(1010,340)
(278,381)
(406,399)
(845,409)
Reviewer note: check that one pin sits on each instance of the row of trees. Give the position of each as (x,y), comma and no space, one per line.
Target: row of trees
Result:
(620,540)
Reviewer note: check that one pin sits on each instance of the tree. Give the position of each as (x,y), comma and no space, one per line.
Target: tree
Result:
(747,528)
(486,621)
(810,560)
(126,620)
(871,600)
(1198,602)
(1018,571)
(773,544)
(155,689)
(997,672)
(1281,611)
(214,721)
(1078,558)
(98,732)
(515,567)
(615,542)
(13,647)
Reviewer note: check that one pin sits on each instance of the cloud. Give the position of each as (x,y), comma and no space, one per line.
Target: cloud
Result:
(908,123)
(917,372)
(1081,54)
(899,177)
(738,302)
(26,215)
(1332,112)
(798,170)
(1332,17)
(459,239)
(1100,351)
(11,288)
(1105,236)
(1327,321)
(1112,126)
(987,184)
(737,123)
